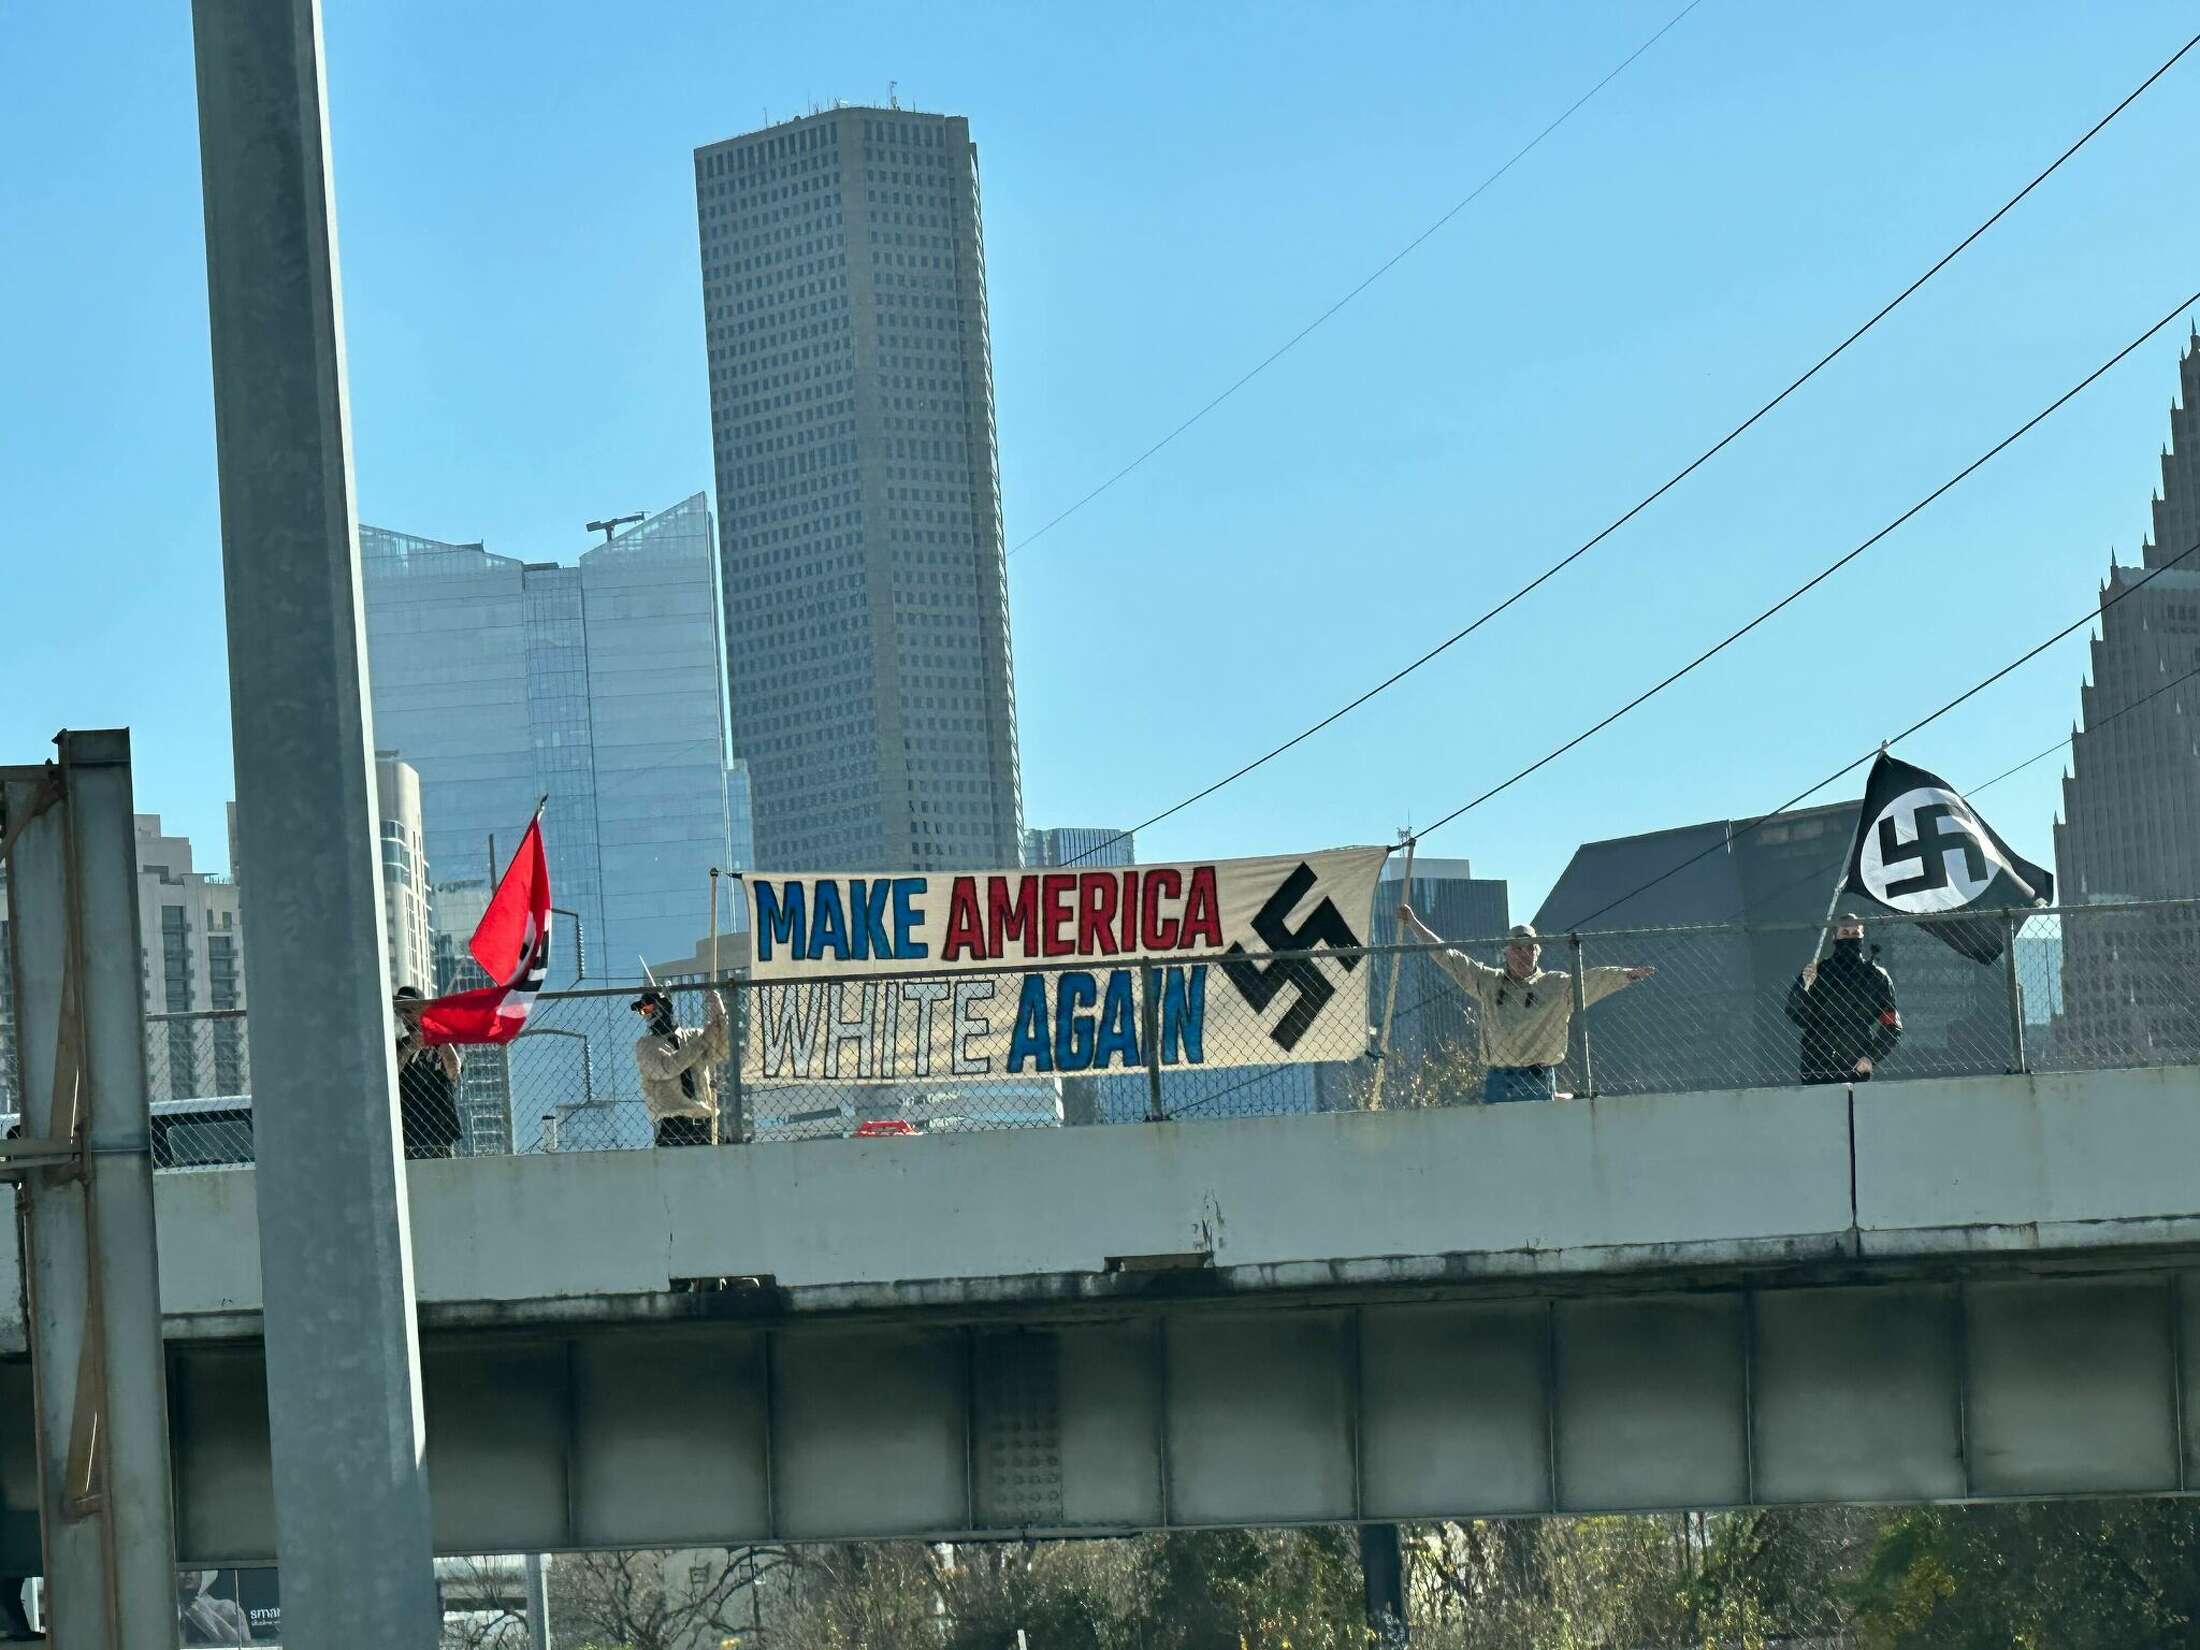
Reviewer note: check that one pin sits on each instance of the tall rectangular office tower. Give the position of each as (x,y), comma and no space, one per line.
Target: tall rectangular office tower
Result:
(866,594)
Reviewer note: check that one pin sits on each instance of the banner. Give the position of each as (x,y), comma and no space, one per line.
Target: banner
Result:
(964,976)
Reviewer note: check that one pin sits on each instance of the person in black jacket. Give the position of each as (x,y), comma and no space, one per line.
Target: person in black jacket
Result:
(1845,1006)
(427,1084)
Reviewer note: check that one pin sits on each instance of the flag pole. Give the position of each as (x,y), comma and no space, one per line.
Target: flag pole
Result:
(1840,877)
(495,875)
(713,982)
(1390,991)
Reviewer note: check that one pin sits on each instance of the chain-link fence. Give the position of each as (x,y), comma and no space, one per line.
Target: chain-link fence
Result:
(1615,1012)
(198,1077)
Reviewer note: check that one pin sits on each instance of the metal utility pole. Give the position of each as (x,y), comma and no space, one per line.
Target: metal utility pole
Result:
(68,853)
(352,1528)
(538,1604)
(1383,1568)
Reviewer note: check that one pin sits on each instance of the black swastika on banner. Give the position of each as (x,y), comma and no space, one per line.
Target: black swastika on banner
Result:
(1260,983)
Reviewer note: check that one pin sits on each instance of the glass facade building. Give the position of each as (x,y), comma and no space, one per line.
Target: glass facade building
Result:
(741,817)
(596,685)
(852,422)
(1089,845)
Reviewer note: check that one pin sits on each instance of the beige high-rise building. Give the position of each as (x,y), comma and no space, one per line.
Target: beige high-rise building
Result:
(404,874)
(851,395)
(191,926)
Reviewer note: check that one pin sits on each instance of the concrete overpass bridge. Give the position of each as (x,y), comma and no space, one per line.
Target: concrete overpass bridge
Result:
(1932,1290)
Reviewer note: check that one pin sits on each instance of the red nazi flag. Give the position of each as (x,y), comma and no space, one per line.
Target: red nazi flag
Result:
(512,945)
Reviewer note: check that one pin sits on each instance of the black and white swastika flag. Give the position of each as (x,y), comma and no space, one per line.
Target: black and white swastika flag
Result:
(1922,850)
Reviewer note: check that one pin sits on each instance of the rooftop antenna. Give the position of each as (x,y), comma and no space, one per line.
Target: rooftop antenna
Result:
(893,101)
(607,528)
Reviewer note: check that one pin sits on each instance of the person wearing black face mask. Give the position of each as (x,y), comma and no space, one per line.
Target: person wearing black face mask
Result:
(676,1063)
(1846,1009)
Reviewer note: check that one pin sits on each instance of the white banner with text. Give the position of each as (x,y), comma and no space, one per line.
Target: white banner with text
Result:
(962,976)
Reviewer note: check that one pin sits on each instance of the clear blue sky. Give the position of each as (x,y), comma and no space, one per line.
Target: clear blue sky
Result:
(1169,192)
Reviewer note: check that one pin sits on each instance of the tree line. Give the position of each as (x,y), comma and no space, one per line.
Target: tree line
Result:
(2102,1575)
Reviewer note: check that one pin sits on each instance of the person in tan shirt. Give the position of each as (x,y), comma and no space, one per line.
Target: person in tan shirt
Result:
(676,1063)
(1526,1010)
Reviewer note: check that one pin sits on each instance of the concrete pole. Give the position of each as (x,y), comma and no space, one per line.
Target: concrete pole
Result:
(538,1603)
(343,1359)
(1382,1570)
(99,1372)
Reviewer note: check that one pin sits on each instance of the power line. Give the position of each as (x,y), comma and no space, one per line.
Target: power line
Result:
(1966,695)
(1440,995)
(1817,873)
(1382,269)
(1673,481)
(1828,571)
(2091,727)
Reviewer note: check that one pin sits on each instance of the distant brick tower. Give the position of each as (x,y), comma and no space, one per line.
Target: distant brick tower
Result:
(2131,803)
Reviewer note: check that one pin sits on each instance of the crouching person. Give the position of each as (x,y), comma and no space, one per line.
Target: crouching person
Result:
(677,1065)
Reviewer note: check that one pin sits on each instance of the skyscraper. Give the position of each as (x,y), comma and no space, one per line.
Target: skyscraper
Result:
(596,685)
(2133,788)
(404,873)
(866,593)
(192,929)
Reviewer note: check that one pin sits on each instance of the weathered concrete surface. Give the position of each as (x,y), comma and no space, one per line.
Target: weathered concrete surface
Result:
(1344,1194)
(2080,1160)
(1644,1185)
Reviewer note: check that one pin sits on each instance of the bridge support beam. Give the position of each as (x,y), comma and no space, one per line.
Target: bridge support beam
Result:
(1191,1415)
(343,1361)
(92,1279)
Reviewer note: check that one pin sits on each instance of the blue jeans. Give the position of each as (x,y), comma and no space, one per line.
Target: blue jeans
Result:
(1503,1083)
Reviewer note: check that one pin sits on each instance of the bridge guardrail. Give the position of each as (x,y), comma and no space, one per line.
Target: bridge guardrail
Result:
(2074,988)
